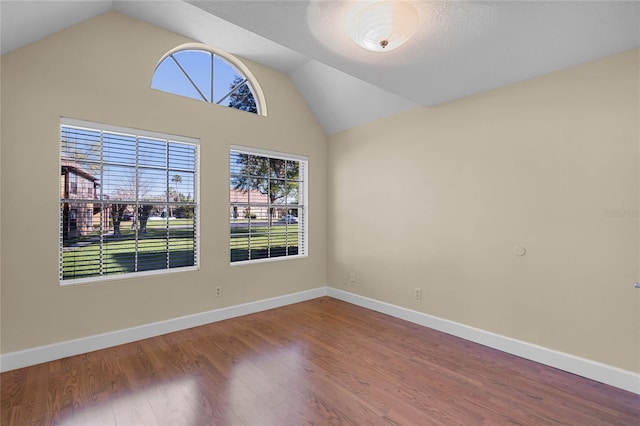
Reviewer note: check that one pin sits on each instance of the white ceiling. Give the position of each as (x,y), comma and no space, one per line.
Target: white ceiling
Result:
(461,48)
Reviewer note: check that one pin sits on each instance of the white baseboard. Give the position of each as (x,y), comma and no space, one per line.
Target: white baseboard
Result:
(19,359)
(603,373)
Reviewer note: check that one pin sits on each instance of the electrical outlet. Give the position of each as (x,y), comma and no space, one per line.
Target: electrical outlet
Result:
(352,277)
(218,291)
(345,279)
(418,293)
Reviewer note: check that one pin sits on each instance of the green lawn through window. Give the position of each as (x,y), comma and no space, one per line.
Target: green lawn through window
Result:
(81,256)
(260,242)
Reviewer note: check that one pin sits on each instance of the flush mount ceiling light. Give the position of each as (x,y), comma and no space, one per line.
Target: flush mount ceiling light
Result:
(384,25)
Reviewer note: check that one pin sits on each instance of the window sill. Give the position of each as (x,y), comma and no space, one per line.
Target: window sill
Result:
(125,276)
(268,260)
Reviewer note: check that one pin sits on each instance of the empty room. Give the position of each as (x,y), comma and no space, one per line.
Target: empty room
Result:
(319,212)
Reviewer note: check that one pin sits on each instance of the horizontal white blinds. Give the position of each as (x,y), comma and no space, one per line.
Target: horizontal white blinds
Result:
(128,202)
(267,205)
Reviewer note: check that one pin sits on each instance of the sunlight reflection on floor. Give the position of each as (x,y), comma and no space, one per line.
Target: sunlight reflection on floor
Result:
(254,388)
(173,403)
(260,384)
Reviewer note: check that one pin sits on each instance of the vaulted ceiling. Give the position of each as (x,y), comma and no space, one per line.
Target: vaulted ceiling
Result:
(461,47)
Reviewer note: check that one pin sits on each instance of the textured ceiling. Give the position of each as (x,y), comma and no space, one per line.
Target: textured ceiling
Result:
(461,48)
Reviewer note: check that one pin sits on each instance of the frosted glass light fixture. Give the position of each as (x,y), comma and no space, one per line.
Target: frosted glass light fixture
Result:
(384,25)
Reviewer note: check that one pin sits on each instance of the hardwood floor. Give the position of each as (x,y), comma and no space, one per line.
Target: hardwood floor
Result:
(322,362)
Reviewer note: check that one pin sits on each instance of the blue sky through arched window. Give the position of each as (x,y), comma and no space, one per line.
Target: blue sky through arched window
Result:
(205,76)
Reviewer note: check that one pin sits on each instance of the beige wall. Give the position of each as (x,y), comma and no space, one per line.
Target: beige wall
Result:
(101,70)
(439,197)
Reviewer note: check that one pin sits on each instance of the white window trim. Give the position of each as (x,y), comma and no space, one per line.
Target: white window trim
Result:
(89,125)
(305,200)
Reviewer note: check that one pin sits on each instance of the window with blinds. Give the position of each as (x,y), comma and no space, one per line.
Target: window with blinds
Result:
(267,205)
(128,202)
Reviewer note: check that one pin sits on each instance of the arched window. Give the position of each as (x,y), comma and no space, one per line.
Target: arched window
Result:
(199,73)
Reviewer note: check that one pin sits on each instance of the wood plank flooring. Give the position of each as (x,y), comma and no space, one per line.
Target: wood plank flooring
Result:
(320,362)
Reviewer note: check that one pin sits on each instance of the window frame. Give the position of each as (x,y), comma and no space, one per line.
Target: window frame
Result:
(234,62)
(139,134)
(303,203)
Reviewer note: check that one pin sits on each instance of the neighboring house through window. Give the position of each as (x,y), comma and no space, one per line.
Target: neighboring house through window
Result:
(72,176)
(128,201)
(267,205)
